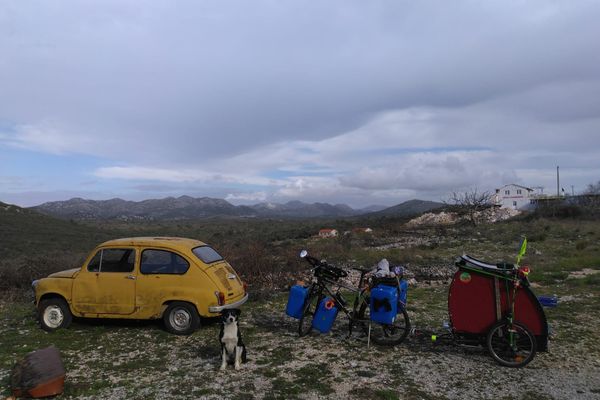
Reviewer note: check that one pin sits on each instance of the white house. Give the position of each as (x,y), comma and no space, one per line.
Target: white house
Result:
(516,197)
(327,233)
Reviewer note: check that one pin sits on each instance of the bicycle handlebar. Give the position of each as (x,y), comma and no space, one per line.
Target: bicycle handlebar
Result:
(319,266)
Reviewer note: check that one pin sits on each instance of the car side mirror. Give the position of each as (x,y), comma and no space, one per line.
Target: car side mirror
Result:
(303,253)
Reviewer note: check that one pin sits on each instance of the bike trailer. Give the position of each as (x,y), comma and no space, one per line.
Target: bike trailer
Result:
(384,304)
(480,295)
(296,300)
(325,315)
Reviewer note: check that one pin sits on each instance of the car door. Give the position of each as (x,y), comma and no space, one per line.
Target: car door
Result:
(108,283)
(162,277)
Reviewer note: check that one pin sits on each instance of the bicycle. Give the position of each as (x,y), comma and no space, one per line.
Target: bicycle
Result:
(326,277)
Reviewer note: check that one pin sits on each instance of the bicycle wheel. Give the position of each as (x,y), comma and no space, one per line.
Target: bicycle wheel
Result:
(511,345)
(308,311)
(386,334)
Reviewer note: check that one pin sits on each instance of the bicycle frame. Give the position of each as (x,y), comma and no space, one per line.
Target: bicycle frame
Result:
(321,286)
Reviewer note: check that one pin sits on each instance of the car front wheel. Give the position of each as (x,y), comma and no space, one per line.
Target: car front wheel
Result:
(54,313)
(181,318)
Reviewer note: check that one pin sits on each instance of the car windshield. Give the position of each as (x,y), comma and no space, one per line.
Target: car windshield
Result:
(207,254)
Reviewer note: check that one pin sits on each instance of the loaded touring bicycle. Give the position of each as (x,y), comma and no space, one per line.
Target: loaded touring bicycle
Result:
(489,305)
(378,309)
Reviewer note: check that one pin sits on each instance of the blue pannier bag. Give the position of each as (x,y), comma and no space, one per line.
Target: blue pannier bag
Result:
(384,304)
(296,300)
(325,315)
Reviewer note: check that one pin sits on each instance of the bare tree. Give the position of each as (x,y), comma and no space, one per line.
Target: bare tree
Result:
(593,188)
(471,202)
(590,200)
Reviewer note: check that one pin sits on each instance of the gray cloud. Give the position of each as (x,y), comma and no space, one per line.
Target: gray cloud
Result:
(225,91)
(208,79)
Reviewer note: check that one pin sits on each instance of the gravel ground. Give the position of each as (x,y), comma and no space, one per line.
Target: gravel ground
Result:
(138,360)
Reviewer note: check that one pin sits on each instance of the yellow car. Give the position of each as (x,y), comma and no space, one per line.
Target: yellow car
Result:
(176,279)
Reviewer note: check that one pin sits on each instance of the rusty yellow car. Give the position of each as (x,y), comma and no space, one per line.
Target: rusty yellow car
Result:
(179,280)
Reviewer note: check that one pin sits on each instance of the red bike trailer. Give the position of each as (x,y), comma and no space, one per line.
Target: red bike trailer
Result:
(481,295)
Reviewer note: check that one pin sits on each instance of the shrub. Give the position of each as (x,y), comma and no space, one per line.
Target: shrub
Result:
(582,244)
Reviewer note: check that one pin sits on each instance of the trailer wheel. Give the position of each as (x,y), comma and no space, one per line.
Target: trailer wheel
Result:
(511,344)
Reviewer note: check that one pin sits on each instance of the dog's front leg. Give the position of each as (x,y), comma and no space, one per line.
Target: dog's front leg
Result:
(223,358)
(238,357)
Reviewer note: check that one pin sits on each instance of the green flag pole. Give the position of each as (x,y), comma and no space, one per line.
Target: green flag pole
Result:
(523,250)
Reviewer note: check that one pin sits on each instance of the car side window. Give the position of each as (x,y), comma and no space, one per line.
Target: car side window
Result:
(163,262)
(113,260)
(94,264)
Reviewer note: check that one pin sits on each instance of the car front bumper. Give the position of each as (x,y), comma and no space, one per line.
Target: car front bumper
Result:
(218,309)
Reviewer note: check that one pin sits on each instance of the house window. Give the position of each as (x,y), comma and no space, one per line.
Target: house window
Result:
(518,191)
(507,192)
(514,203)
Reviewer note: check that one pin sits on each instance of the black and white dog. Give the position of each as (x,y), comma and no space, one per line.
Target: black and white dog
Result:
(233,350)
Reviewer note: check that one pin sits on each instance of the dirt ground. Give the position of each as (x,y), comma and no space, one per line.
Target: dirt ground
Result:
(139,360)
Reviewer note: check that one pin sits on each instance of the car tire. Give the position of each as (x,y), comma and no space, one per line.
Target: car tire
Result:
(181,318)
(54,313)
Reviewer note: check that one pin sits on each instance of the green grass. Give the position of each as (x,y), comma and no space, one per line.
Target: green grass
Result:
(142,361)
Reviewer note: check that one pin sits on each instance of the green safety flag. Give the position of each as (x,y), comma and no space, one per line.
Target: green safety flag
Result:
(522,251)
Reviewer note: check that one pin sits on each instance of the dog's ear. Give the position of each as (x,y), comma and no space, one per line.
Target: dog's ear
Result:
(237,312)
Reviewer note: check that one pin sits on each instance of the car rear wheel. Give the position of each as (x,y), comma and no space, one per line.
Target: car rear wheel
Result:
(54,313)
(181,318)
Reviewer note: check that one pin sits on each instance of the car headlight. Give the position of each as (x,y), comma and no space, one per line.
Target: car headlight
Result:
(34,284)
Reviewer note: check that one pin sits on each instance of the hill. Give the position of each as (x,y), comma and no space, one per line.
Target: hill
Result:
(27,233)
(408,208)
(298,209)
(185,207)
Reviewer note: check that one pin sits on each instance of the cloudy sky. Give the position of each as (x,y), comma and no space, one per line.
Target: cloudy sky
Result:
(336,101)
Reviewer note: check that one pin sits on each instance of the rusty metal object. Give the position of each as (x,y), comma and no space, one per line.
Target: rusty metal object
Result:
(39,374)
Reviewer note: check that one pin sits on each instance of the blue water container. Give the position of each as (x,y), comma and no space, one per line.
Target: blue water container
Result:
(296,300)
(325,315)
(384,304)
(403,292)
(548,301)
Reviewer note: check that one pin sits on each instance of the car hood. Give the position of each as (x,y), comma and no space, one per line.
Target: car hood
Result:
(69,273)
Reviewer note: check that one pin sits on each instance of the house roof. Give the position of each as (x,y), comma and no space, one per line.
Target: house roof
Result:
(514,184)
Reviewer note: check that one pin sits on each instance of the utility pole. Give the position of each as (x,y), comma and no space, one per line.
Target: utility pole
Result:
(572,190)
(557,182)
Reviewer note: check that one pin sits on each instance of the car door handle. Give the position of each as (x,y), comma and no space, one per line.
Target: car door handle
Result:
(130,277)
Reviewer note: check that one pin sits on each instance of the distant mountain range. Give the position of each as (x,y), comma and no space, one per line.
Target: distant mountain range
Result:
(186,207)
